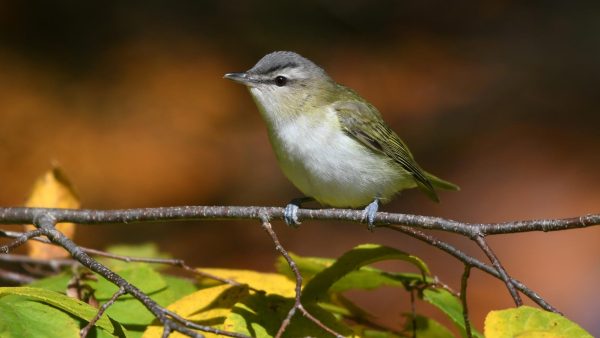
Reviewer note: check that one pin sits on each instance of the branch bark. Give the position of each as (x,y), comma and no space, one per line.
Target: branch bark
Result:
(20,215)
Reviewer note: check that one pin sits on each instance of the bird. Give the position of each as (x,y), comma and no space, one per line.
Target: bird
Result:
(331,143)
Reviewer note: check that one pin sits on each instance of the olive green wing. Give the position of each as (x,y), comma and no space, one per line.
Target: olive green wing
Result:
(362,121)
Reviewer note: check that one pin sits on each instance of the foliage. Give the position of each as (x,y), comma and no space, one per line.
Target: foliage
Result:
(258,305)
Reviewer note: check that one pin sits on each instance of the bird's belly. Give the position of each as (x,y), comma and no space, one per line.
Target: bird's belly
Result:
(336,170)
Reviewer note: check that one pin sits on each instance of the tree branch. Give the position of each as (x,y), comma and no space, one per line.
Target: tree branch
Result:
(463,257)
(45,218)
(496,263)
(15,277)
(298,289)
(463,298)
(84,332)
(20,215)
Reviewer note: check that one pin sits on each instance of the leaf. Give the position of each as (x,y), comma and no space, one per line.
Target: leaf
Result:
(129,311)
(260,315)
(56,300)
(366,278)
(145,250)
(142,276)
(268,282)
(450,305)
(208,306)
(369,278)
(52,190)
(530,322)
(57,283)
(22,317)
(426,328)
(365,332)
(308,266)
(258,307)
(364,254)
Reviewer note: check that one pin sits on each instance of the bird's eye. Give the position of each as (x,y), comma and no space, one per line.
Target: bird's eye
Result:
(280,81)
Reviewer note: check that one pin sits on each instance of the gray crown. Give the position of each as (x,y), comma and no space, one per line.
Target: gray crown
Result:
(277,61)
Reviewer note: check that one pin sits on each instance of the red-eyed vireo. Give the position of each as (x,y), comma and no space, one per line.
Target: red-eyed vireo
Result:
(330,142)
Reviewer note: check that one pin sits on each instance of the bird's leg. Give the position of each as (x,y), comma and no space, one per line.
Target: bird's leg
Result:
(290,214)
(369,213)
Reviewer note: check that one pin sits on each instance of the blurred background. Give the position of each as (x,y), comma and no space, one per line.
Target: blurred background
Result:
(500,97)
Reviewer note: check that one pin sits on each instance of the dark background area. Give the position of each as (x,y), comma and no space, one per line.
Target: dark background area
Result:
(500,97)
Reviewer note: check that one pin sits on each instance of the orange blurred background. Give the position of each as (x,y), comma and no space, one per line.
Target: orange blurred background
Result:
(500,97)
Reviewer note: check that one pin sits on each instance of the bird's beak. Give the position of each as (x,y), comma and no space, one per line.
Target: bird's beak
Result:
(242,78)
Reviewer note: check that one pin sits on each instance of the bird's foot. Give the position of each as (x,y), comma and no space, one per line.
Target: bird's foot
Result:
(369,214)
(290,213)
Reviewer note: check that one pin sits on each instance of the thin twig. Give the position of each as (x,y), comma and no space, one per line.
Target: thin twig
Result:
(17,234)
(15,277)
(24,237)
(463,299)
(266,225)
(84,332)
(180,263)
(168,261)
(496,263)
(463,257)
(24,259)
(437,283)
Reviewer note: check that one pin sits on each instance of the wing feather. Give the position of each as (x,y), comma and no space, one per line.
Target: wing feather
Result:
(363,122)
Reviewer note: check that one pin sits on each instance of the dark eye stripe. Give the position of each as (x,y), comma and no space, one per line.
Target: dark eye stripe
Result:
(280,67)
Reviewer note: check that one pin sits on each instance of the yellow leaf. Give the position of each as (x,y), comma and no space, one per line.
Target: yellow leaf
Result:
(223,296)
(271,283)
(52,190)
(529,322)
(208,306)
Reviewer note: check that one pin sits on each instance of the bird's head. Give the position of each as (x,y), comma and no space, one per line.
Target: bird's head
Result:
(284,84)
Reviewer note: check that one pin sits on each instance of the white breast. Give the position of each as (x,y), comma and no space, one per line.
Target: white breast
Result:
(326,164)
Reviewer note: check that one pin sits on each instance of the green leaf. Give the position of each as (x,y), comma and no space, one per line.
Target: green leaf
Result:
(426,328)
(529,322)
(22,317)
(318,286)
(145,250)
(129,311)
(56,283)
(450,305)
(371,333)
(142,276)
(179,287)
(365,278)
(348,273)
(308,266)
(260,315)
(16,297)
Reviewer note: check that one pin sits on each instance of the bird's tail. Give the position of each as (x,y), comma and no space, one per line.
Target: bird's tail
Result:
(440,183)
